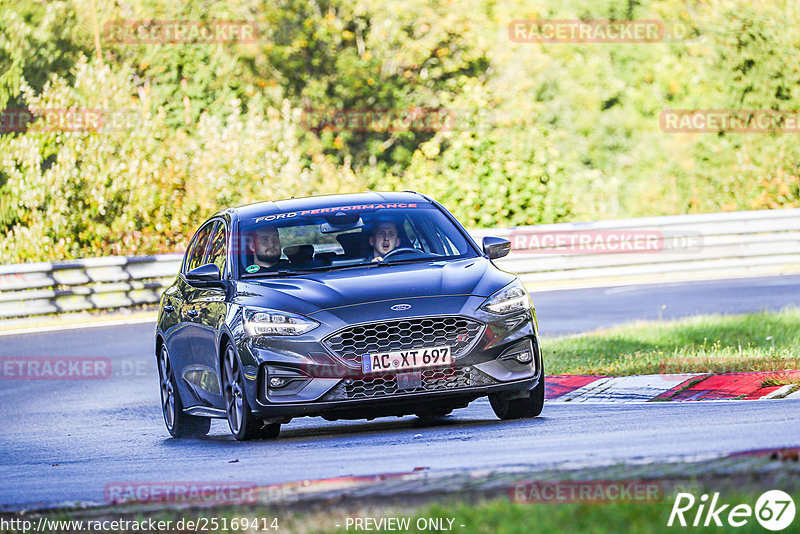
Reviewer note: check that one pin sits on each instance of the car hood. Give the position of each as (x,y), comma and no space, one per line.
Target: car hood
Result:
(308,294)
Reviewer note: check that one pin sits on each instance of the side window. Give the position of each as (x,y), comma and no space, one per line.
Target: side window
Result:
(431,234)
(451,248)
(216,251)
(422,236)
(198,251)
(412,234)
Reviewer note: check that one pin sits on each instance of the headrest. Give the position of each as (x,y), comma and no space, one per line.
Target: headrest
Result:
(351,243)
(299,253)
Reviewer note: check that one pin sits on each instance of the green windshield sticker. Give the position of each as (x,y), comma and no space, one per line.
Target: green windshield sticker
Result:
(252,268)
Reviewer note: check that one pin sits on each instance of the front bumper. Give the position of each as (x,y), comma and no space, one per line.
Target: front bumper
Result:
(321,382)
(396,405)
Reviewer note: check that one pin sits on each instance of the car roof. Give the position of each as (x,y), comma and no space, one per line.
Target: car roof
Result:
(324,201)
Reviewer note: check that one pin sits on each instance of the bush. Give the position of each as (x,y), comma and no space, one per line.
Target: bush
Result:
(540,133)
(142,187)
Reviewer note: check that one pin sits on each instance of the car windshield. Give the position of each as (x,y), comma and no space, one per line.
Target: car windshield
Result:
(283,244)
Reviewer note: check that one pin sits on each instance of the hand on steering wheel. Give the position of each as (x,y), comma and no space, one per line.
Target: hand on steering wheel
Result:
(398,250)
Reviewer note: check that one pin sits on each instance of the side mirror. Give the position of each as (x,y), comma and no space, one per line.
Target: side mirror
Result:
(207,275)
(496,247)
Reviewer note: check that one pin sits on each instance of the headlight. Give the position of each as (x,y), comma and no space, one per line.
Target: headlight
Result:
(260,322)
(512,298)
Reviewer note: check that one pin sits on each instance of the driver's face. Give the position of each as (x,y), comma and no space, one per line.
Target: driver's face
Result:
(384,239)
(266,245)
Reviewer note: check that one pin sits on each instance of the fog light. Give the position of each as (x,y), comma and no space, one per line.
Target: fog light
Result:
(277,382)
(523,357)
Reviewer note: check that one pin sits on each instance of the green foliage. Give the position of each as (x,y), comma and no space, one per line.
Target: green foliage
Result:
(36,39)
(139,185)
(538,133)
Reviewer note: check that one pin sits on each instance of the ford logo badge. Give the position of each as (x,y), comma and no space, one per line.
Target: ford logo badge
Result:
(401,307)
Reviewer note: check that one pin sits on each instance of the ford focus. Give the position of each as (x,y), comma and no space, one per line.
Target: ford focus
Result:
(346,307)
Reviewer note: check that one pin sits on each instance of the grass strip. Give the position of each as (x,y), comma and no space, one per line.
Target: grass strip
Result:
(766,341)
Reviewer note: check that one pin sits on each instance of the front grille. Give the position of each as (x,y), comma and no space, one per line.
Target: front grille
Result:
(458,333)
(386,385)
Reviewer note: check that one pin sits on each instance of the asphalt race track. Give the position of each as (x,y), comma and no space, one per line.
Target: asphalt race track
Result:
(63,441)
(579,310)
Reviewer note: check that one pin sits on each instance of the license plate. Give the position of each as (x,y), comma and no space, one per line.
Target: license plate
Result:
(400,360)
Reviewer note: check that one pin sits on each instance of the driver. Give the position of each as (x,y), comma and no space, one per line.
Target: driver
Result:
(265,244)
(383,239)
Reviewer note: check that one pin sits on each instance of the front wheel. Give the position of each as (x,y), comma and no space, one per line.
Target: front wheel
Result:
(526,407)
(179,424)
(244,425)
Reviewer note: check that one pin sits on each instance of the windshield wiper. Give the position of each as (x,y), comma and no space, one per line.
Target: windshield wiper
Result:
(283,273)
(272,274)
(337,267)
(298,272)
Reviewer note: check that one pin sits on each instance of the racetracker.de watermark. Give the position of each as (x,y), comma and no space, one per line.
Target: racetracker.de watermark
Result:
(353,374)
(566,491)
(588,241)
(729,120)
(55,368)
(181,492)
(416,119)
(72,368)
(66,120)
(180,32)
(596,31)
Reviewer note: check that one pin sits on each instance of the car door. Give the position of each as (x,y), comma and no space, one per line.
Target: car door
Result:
(178,334)
(206,310)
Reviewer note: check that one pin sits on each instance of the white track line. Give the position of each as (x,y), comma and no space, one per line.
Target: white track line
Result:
(795,395)
(76,326)
(780,391)
(640,388)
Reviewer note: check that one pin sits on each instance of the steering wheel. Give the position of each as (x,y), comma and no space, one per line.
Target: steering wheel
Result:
(400,250)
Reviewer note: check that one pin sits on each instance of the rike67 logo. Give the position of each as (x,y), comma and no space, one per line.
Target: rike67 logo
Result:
(774,510)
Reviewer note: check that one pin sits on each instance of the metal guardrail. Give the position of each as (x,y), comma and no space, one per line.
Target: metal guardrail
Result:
(94,283)
(714,245)
(711,245)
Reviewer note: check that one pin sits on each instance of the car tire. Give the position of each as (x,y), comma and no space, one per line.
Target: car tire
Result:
(243,424)
(523,408)
(179,423)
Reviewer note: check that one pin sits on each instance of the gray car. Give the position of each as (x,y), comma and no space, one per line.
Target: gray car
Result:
(345,307)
